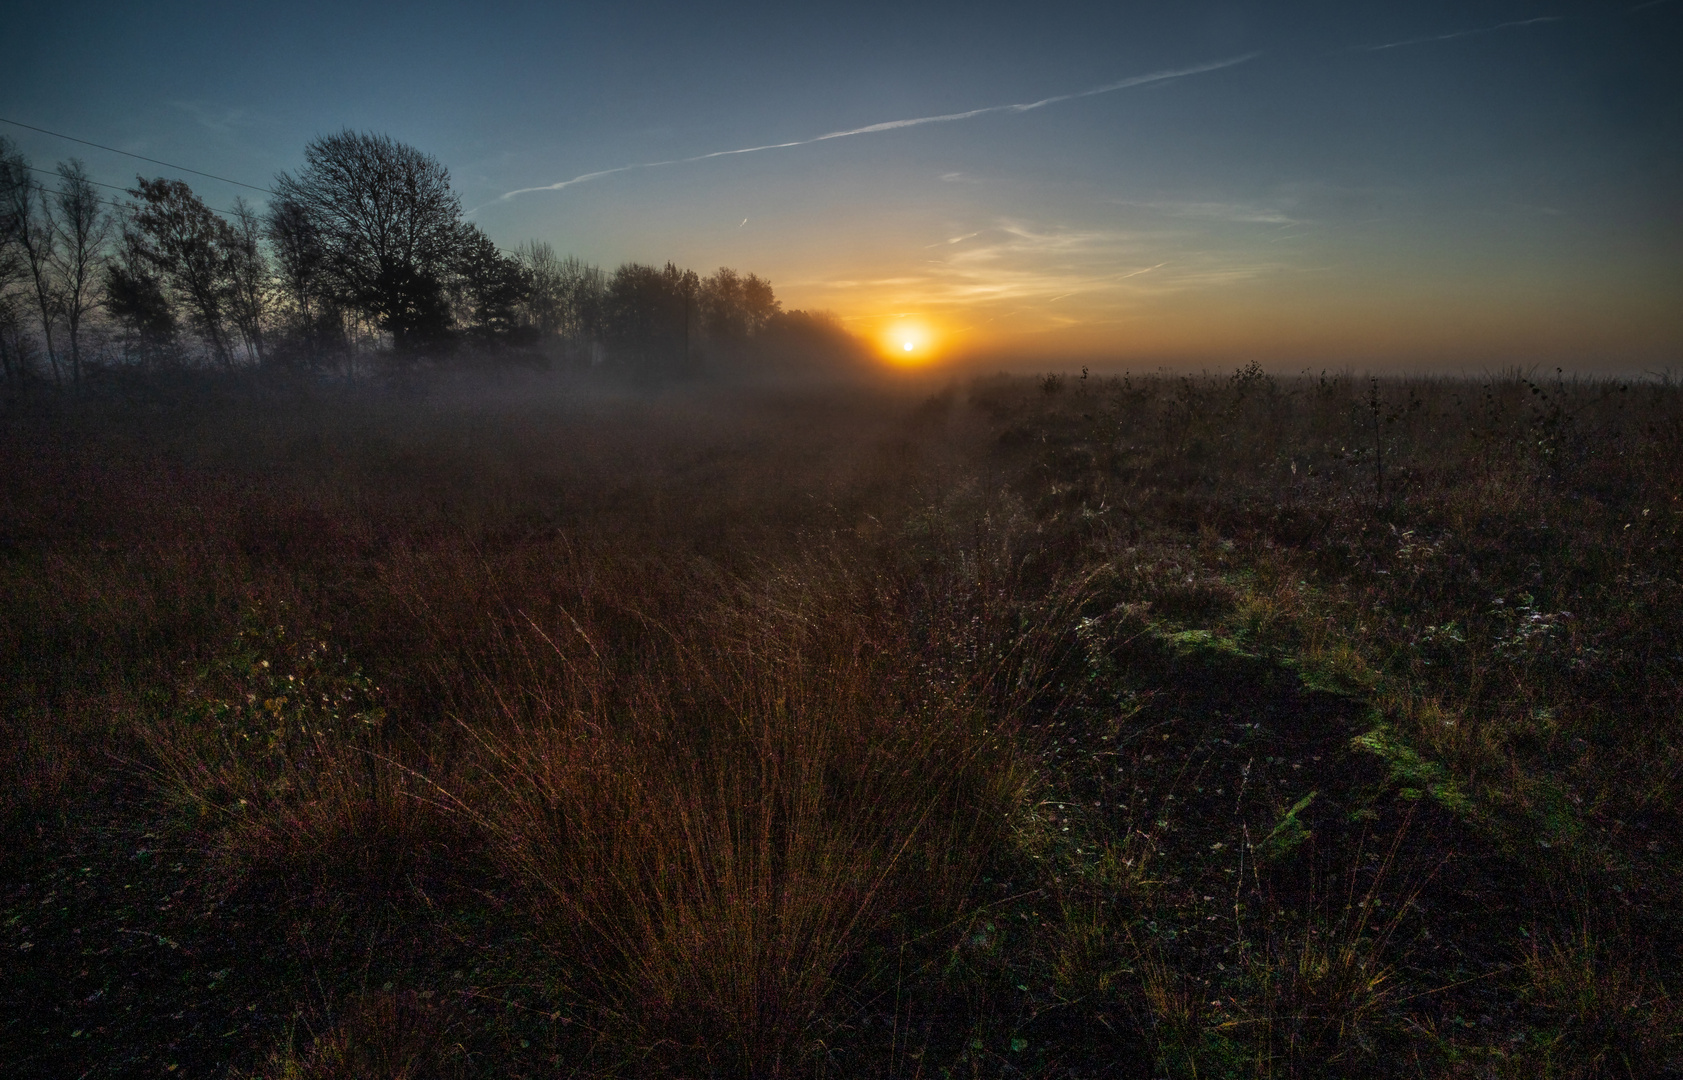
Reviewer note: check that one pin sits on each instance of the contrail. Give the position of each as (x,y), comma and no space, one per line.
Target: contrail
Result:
(893,125)
(1459,34)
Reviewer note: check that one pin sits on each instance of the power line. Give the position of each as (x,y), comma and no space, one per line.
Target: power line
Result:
(139,157)
(95,183)
(114,187)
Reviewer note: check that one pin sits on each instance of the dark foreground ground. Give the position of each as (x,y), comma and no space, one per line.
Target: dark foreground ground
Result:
(1220,726)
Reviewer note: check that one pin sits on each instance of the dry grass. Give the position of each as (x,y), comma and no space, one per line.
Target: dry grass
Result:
(276,756)
(378,1035)
(843,733)
(711,832)
(1603,1014)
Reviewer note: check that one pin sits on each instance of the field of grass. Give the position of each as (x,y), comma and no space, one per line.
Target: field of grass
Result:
(1218,726)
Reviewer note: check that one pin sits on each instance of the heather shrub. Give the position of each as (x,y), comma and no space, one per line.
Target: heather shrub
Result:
(275,754)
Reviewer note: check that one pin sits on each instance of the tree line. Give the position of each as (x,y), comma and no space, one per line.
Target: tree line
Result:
(362,255)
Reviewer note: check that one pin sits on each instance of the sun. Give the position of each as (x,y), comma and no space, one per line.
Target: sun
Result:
(908,340)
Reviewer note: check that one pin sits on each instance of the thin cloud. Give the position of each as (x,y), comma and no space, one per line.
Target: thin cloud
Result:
(895,125)
(1458,34)
(217,119)
(1244,213)
(1019,263)
(954,240)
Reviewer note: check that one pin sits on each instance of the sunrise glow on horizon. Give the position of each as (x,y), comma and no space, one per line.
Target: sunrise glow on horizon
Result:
(907,340)
(1438,185)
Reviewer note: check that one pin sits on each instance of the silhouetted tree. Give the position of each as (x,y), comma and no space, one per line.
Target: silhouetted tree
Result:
(493,287)
(30,218)
(584,296)
(811,340)
(734,307)
(649,313)
(13,172)
(83,229)
(759,302)
(565,298)
(189,248)
(545,304)
(14,347)
(135,297)
(723,317)
(389,226)
(306,288)
(248,277)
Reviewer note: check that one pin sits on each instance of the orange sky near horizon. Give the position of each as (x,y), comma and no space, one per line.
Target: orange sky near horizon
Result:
(1428,185)
(999,308)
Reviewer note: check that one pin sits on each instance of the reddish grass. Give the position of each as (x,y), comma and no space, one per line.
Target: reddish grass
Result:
(807,733)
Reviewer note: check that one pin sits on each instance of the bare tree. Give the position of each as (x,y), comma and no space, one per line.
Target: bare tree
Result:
(648,317)
(248,277)
(389,225)
(136,298)
(14,347)
(566,298)
(492,289)
(723,317)
(584,294)
(545,304)
(734,307)
(13,172)
(759,302)
(83,228)
(187,245)
(302,277)
(30,218)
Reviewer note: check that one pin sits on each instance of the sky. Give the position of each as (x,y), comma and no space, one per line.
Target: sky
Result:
(1384,186)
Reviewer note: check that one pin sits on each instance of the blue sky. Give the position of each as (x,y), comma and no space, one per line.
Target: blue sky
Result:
(1367,184)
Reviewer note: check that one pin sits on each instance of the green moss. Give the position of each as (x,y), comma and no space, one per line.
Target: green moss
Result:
(1288,834)
(1411,772)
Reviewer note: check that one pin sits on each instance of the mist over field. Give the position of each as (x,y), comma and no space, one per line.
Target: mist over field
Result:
(1130,540)
(526,722)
